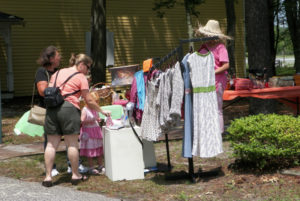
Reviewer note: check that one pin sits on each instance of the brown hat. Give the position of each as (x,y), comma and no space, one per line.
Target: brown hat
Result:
(212,28)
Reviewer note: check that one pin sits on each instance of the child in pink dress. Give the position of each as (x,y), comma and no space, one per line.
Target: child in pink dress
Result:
(91,138)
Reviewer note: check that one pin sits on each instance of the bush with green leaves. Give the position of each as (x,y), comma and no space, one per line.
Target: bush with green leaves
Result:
(266,141)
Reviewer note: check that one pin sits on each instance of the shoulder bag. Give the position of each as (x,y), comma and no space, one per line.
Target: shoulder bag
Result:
(37,114)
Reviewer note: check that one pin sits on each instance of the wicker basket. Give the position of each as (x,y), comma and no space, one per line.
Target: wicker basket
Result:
(102,95)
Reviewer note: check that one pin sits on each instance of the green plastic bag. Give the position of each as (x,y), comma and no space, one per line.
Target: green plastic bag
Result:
(116,111)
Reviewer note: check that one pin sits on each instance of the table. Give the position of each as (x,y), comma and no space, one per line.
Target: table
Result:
(288,95)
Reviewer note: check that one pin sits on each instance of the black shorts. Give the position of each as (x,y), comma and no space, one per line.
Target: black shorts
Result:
(62,120)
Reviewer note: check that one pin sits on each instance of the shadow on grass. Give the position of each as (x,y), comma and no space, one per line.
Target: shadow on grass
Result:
(248,167)
(63,178)
(165,176)
(210,174)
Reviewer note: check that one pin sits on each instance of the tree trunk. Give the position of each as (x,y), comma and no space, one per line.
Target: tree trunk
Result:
(292,9)
(231,20)
(258,43)
(272,7)
(98,41)
(189,22)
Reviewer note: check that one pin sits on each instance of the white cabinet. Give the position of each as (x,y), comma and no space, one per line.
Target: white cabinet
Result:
(124,156)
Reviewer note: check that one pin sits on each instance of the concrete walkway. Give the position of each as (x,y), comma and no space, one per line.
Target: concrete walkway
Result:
(11,150)
(16,190)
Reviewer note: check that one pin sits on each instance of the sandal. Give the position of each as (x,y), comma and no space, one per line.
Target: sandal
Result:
(93,171)
(77,181)
(47,183)
(100,168)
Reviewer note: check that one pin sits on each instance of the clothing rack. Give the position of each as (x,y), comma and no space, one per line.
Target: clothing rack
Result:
(165,58)
(179,50)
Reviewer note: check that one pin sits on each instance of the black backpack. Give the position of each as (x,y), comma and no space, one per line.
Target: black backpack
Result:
(53,97)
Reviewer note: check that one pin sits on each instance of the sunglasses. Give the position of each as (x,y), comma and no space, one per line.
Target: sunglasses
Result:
(88,67)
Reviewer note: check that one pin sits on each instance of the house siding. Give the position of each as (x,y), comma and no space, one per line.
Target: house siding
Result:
(216,10)
(138,33)
(55,22)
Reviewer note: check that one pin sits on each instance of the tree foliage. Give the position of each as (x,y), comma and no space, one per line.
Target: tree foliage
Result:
(160,5)
(282,40)
(285,46)
(231,22)
(292,10)
(190,10)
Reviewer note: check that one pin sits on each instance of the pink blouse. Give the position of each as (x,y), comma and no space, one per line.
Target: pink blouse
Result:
(221,56)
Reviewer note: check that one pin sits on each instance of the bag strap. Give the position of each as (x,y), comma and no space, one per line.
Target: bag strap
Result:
(66,95)
(33,90)
(66,79)
(70,94)
(55,78)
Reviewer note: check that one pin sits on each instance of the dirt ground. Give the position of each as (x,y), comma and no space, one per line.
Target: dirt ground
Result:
(214,179)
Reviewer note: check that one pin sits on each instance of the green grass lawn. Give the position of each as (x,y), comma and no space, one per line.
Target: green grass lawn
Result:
(283,71)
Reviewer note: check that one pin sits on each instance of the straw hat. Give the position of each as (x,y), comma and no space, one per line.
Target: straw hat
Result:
(212,28)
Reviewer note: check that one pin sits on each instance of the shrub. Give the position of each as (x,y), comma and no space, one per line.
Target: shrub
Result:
(266,141)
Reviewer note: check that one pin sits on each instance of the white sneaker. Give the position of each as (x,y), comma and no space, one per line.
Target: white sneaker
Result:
(103,171)
(81,169)
(54,172)
(69,170)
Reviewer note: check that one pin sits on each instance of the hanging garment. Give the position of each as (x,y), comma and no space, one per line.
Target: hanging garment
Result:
(188,111)
(207,139)
(177,95)
(140,82)
(150,128)
(221,56)
(160,98)
(168,97)
(147,64)
(135,87)
(165,100)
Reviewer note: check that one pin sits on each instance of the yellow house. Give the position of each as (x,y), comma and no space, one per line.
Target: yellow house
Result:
(138,33)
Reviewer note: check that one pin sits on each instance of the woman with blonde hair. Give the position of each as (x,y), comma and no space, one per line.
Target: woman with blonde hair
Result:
(64,120)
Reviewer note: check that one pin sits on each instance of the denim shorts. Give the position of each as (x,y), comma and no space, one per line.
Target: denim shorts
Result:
(62,120)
